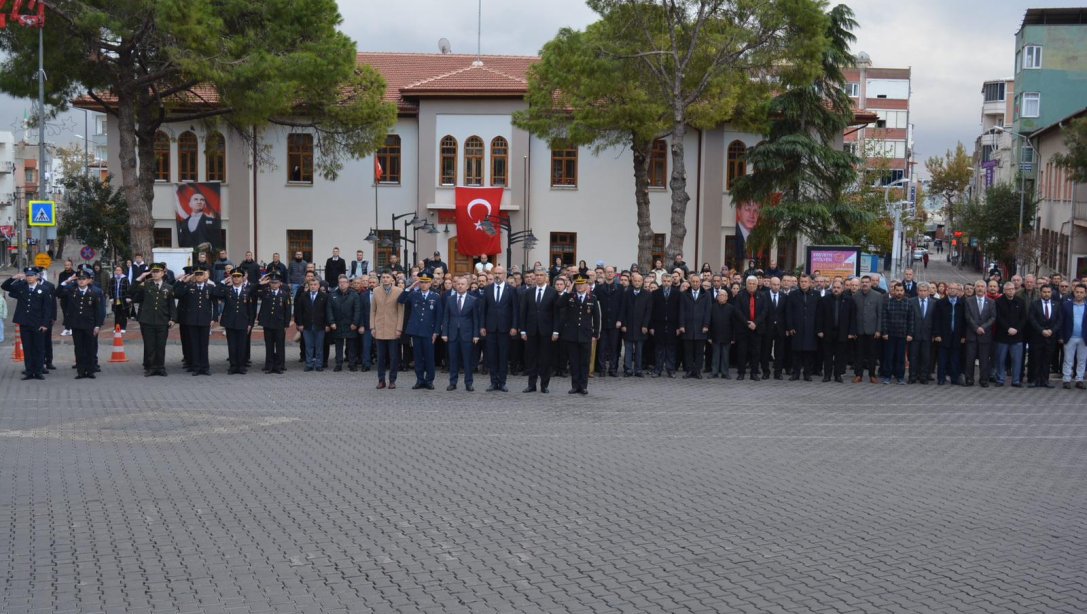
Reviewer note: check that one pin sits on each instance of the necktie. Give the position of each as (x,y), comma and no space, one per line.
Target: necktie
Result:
(582,298)
(923,308)
(695,295)
(953,303)
(981,305)
(666,293)
(836,304)
(539,295)
(238,292)
(460,302)
(752,306)
(1047,310)
(313,297)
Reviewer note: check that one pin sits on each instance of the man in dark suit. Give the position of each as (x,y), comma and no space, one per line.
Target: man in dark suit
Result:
(199,227)
(311,319)
(577,324)
(752,304)
(834,321)
(801,327)
(909,284)
(774,341)
(635,320)
(694,326)
(980,317)
(1044,322)
(460,330)
(334,267)
(609,296)
(195,294)
(663,323)
(500,322)
(920,346)
(949,334)
(239,313)
(537,326)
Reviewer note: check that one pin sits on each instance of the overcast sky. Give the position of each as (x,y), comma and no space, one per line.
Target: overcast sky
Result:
(951,45)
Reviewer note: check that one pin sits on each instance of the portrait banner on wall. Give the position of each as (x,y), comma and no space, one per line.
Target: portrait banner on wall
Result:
(833,260)
(199,215)
(747,219)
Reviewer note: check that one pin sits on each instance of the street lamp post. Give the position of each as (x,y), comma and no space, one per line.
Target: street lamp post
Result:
(512,238)
(417,223)
(896,237)
(1020,138)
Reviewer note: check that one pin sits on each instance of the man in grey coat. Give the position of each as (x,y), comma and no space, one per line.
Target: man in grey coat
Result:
(869,312)
(980,317)
(296,272)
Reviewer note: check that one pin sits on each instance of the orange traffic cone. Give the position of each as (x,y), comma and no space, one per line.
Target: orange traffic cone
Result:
(17,355)
(118,346)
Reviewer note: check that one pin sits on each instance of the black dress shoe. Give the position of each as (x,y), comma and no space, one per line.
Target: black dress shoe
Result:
(81,376)
(826,378)
(838,378)
(544,390)
(450,387)
(337,368)
(807,378)
(571,391)
(583,391)
(91,376)
(469,388)
(149,373)
(50,367)
(984,384)
(794,377)
(418,385)
(39,376)
(503,389)
(756,378)
(429,386)
(529,389)
(740,377)
(777,376)
(492,388)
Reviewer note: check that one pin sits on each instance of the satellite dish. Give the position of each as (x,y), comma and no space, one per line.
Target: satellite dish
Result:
(443,46)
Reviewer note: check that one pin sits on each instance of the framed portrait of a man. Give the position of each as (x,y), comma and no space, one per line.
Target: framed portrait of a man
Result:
(198,215)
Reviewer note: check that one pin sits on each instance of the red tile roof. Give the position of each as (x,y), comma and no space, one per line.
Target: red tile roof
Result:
(412,75)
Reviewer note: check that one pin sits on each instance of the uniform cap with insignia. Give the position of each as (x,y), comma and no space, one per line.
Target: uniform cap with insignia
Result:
(31,271)
(187,270)
(237,274)
(581,279)
(83,274)
(199,269)
(424,277)
(158,266)
(274,277)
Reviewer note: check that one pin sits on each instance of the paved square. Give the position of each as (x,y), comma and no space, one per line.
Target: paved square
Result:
(312,492)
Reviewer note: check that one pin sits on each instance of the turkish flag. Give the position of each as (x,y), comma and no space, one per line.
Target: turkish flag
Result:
(474,206)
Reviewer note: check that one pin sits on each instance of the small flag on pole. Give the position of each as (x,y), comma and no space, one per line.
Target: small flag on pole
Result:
(377,170)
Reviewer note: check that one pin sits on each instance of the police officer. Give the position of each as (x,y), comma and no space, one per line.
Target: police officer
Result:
(85,315)
(577,325)
(35,312)
(156,315)
(424,324)
(239,311)
(275,318)
(194,293)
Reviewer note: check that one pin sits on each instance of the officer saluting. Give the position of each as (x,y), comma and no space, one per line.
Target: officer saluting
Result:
(157,314)
(85,314)
(577,324)
(194,293)
(35,313)
(275,318)
(239,310)
(423,326)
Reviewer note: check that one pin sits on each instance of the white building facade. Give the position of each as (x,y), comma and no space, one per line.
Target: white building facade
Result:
(454,128)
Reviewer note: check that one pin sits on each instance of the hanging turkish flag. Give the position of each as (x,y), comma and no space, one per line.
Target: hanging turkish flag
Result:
(377,170)
(474,206)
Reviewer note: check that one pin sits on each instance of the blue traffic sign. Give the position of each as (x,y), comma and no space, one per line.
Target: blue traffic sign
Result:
(42,213)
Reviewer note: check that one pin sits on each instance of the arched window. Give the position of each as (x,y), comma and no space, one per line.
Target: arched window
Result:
(162,156)
(447,163)
(215,158)
(658,163)
(473,161)
(737,163)
(186,157)
(500,161)
(299,158)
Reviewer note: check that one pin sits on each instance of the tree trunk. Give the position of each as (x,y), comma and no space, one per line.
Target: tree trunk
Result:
(678,185)
(641,200)
(139,201)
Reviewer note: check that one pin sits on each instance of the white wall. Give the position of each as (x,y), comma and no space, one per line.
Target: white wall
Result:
(7,179)
(888,88)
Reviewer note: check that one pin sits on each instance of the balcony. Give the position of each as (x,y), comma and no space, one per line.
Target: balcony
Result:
(7,167)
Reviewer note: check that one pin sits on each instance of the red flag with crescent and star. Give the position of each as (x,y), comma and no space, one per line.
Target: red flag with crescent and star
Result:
(474,206)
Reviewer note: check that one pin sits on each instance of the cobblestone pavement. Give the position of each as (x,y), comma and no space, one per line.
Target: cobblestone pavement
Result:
(312,492)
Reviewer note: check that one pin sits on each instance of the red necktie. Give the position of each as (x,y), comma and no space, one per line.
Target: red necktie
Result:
(752,306)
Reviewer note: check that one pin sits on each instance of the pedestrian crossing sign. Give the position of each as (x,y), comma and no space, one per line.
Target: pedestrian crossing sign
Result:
(42,213)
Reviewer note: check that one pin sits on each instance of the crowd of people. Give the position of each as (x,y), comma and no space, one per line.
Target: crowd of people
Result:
(569,321)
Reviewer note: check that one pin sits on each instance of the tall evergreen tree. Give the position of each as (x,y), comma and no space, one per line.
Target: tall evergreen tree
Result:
(801,178)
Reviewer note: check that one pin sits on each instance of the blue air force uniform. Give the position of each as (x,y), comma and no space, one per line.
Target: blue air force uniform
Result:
(424,323)
(35,312)
(239,312)
(85,314)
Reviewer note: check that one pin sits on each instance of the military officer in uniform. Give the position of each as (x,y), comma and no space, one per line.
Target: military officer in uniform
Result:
(85,315)
(239,310)
(275,318)
(577,325)
(156,315)
(194,293)
(35,312)
(423,327)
